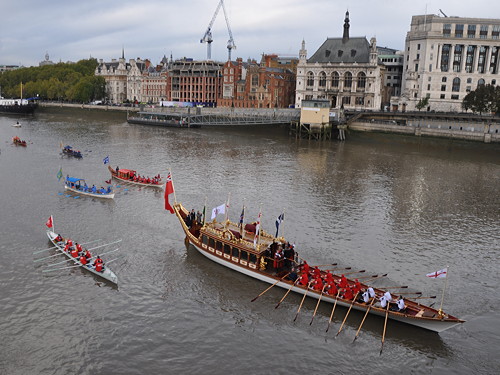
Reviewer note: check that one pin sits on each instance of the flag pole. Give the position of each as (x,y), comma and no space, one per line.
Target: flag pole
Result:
(205,210)
(283,225)
(440,311)
(173,188)
(240,224)
(260,225)
(227,206)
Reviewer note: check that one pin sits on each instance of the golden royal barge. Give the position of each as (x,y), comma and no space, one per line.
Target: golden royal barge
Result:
(234,247)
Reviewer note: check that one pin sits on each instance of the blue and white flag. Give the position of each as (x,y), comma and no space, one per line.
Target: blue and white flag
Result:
(278,222)
(106,160)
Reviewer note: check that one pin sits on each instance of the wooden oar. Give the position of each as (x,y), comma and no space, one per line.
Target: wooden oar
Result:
(62,253)
(421,297)
(348,273)
(385,327)
(41,251)
(406,293)
(393,287)
(333,310)
(55,264)
(51,256)
(339,269)
(366,313)
(107,252)
(317,305)
(371,277)
(53,247)
(106,244)
(270,287)
(378,277)
(288,291)
(348,311)
(62,268)
(303,299)
(324,265)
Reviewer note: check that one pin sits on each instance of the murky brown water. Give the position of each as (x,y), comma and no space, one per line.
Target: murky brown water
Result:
(383,203)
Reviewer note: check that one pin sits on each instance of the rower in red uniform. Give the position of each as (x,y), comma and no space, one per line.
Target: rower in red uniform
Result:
(304,278)
(83,260)
(66,248)
(79,247)
(316,272)
(74,253)
(306,267)
(357,286)
(88,255)
(318,284)
(332,289)
(98,263)
(343,282)
(70,242)
(348,293)
(329,277)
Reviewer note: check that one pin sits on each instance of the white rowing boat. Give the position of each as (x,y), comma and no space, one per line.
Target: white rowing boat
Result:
(105,274)
(78,185)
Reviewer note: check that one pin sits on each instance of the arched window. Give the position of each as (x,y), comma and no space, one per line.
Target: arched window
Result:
(456,84)
(335,79)
(322,79)
(361,80)
(480,82)
(348,80)
(310,79)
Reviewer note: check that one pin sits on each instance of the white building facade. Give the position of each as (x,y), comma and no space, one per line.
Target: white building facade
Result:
(123,80)
(447,57)
(346,71)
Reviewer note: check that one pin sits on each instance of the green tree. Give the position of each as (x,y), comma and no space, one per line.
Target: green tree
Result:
(422,103)
(55,82)
(485,99)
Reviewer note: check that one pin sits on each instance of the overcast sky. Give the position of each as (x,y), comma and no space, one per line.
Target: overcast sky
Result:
(70,30)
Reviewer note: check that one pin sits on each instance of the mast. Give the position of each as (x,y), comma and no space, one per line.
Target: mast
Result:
(440,311)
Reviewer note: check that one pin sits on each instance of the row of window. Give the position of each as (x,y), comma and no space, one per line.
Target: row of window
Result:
(228,250)
(465,56)
(471,31)
(335,79)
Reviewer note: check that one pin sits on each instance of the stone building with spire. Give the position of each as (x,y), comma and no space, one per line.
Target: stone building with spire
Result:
(345,71)
(123,79)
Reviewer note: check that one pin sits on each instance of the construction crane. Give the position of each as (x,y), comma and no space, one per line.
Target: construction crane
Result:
(207,38)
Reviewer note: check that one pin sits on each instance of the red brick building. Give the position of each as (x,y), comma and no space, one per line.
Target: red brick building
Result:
(198,82)
(155,82)
(252,85)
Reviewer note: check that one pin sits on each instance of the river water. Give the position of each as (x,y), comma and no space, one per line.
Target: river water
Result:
(387,204)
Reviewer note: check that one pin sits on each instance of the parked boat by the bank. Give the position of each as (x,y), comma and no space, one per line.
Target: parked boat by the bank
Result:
(79,186)
(18,142)
(90,265)
(17,106)
(242,250)
(161,119)
(131,177)
(68,150)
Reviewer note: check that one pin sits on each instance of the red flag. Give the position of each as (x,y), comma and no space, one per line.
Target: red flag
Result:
(169,189)
(49,222)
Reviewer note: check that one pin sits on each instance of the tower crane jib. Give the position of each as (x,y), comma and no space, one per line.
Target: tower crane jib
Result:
(207,37)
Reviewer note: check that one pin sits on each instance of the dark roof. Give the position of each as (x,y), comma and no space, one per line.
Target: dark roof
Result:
(334,50)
